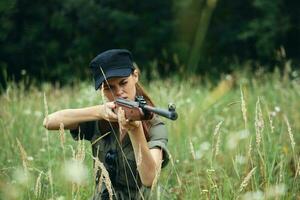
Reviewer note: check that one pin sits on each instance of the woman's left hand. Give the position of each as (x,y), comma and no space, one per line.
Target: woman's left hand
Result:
(127,125)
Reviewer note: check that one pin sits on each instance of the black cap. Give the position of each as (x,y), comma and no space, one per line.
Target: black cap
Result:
(114,63)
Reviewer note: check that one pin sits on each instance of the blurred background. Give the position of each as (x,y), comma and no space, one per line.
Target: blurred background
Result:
(230,66)
(54,40)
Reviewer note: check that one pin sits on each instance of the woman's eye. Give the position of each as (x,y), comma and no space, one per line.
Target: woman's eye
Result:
(124,83)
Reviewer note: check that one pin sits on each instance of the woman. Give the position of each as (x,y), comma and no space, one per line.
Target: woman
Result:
(131,151)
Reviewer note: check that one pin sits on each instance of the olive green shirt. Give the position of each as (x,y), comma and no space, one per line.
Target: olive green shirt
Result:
(118,158)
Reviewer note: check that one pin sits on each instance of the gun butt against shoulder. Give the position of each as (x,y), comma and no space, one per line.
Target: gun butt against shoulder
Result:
(139,110)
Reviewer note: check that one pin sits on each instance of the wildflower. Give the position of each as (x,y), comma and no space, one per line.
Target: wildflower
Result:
(204,146)
(275,191)
(243,134)
(30,158)
(277,109)
(75,171)
(273,114)
(27,112)
(21,176)
(257,195)
(38,113)
(240,159)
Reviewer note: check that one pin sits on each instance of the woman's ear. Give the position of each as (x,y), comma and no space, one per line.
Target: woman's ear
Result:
(135,75)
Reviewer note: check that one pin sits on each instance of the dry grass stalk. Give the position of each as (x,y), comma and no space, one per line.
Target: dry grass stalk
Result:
(271,122)
(157,175)
(104,177)
(192,150)
(259,122)
(281,169)
(23,155)
(100,137)
(62,137)
(46,106)
(38,186)
(139,157)
(100,179)
(80,154)
(218,128)
(177,176)
(73,152)
(46,117)
(50,178)
(297,169)
(158,193)
(62,134)
(250,148)
(217,133)
(243,108)
(247,179)
(290,133)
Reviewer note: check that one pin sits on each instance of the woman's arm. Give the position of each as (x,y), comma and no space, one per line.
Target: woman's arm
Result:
(71,117)
(148,160)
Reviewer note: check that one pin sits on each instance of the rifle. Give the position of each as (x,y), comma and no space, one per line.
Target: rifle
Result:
(139,110)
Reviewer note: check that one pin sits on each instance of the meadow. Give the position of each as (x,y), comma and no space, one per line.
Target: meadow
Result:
(234,139)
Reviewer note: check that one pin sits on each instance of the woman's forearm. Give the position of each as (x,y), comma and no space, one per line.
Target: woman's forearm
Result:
(71,117)
(146,163)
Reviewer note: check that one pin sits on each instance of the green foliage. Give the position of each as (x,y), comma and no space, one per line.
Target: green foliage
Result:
(195,170)
(55,40)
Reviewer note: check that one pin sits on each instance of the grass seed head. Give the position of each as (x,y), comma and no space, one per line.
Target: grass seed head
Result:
(247,179)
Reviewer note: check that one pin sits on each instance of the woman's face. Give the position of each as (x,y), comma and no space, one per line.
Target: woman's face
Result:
(123,87)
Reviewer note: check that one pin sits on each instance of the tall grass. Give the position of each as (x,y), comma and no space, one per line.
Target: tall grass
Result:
(235,140)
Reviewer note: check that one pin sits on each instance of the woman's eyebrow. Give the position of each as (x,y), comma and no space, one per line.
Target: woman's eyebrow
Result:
(124,79)
(106,85)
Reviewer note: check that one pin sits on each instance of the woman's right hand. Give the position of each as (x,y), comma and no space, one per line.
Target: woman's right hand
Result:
(107,113)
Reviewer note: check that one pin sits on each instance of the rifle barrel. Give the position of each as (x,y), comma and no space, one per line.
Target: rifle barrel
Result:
(163,112)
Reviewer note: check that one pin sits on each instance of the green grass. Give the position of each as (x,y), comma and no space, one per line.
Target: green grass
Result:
(195,171)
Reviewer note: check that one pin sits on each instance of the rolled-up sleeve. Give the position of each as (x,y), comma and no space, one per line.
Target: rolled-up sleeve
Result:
(84,130)
(158,138)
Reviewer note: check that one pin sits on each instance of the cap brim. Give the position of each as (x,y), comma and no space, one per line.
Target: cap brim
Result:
(123,72)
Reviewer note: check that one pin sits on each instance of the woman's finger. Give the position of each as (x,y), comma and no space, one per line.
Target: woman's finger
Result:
(111,105)
(112,115)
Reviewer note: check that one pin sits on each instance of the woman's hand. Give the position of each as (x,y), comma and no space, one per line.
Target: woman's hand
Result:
(107,113)
(127,125)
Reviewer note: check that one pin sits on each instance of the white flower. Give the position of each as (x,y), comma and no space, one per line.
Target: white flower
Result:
(243,134)
(277,109)
(38,113)
(204,146)
(232,141)
(240,159)
(198,155)
(61,198)
(75,172)
(272,114)
(27,112)
(275,191)
(257,195)
(23,72)
(21,176)
(228,77)
(30,158)
(295,74)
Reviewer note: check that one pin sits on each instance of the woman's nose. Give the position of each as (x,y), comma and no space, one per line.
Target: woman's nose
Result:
(119,91)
